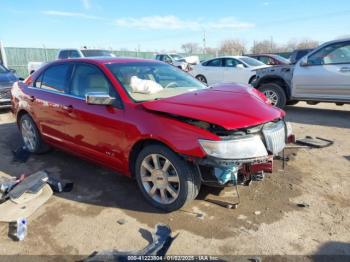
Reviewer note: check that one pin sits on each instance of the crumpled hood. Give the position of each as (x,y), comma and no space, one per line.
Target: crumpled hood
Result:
(226,105)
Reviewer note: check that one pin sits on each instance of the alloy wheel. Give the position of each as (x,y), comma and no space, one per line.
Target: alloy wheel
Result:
(272,96)
(160,179)
(29,135)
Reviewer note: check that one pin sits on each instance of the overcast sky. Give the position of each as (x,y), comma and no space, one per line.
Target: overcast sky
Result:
(165,25)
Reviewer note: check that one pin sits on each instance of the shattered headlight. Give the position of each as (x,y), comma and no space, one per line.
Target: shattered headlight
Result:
(240,148)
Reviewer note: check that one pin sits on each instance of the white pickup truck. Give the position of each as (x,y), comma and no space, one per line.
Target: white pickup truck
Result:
(179,61)
(323,75)
(72,53)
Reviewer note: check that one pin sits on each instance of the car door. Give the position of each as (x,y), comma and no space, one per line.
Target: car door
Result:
(234,71)
(213,71)
(47,99)
(94,131)
(324,74)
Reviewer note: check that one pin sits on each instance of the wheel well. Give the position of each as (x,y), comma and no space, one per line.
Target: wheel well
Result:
(251,79)
(20,114)
(201,76)
(136,149)
(276,80)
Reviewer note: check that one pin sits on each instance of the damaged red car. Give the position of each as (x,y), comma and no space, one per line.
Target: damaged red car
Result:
(150,121)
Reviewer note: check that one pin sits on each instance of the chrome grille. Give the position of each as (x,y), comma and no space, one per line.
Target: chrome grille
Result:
(275,136)
(5,93)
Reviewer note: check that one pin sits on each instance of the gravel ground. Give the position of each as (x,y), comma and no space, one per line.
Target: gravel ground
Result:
(267,222)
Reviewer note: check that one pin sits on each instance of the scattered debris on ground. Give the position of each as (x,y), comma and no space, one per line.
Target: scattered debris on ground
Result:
(161,241)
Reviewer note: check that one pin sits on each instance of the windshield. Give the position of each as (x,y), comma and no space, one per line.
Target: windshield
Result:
(149,81)
(3,69)
(177,57)
(251,61)
(96,53)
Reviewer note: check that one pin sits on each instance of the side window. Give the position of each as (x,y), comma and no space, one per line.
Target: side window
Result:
(87,79)
(74,54)
(338,53)
(167,59)
(38,81)
(230,62)
(158,57)
(214,62)
(63,54)
(264,59)
(55,78)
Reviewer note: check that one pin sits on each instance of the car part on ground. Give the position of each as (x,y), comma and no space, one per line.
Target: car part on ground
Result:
(322,75)
(171,140)
(316,142)
(17,202)
(22,196)
(161,241)
(31,184)
(21,154)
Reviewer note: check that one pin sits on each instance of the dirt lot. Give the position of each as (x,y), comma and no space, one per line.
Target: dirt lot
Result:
(85,220)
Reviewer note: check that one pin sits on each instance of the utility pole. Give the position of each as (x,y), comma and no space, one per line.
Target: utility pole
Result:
(271,44)
(204,41)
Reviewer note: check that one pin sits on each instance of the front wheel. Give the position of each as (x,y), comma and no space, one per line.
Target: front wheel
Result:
(275,94)
(167,181)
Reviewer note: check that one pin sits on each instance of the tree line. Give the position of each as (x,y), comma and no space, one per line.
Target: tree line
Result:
(239,47)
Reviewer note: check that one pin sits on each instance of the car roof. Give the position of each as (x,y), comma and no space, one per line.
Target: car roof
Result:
(109,60)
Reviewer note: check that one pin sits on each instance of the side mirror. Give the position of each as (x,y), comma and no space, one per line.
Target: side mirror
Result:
(99,98)
(13,71)
(303,61)
(241,66)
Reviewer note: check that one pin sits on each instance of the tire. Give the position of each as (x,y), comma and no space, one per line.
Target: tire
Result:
(29,131)
(185,182)
(275,93)
(202,79)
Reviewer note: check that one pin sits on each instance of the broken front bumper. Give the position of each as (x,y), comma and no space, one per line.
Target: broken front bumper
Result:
(221,171)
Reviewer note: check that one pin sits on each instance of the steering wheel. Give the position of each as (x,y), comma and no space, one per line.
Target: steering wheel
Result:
(171,84)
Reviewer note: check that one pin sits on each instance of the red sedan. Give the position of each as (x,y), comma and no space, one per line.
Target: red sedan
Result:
(150,121)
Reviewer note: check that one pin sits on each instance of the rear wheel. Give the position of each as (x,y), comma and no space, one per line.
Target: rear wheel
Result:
(275,94)
(31,136)
(202,79)
(167,181)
